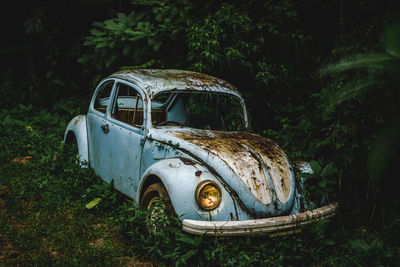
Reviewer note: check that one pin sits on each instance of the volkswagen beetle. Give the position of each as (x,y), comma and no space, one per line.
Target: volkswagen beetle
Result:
(184,136)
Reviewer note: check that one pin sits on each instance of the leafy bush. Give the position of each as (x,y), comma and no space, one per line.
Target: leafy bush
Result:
(371,95)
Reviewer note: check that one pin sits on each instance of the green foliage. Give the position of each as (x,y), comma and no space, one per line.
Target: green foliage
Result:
(374,79)
(320,186)
(221,40)
(218,38)
(143,38)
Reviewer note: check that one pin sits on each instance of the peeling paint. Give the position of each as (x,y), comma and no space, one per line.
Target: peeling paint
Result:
(273,226)
(235,148)
(187,161)
(155,81)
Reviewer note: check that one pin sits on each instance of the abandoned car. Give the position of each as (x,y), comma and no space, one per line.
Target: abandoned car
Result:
(185,136)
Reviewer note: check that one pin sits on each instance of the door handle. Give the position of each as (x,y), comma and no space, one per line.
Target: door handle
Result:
(105,128)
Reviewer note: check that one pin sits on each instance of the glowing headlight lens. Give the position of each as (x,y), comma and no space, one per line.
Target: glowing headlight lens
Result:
(208,195)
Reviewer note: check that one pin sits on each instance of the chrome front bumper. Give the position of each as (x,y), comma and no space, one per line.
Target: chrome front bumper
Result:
(272,226)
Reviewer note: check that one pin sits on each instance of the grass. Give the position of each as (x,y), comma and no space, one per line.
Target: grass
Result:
(44,222)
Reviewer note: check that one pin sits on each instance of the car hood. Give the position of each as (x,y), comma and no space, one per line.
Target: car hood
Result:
(254,167)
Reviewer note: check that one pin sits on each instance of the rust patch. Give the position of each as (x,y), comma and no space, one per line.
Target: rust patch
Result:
(155,81)
(187,161)
(198,173)
(233,218)
(189,78)
(233,148)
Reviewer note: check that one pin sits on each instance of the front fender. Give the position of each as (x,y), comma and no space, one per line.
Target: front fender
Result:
(181,177)
(77,128)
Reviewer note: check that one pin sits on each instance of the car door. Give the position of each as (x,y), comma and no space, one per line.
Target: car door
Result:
(98,127)
(125,138)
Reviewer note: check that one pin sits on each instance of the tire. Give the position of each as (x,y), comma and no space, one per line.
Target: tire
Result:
(156,201)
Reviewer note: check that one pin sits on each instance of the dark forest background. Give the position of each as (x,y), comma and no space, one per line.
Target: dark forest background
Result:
(321,78)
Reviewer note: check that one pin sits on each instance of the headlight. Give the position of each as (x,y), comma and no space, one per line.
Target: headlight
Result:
(208,195)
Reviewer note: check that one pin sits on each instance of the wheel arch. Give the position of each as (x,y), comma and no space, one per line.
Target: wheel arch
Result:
(70,137)
(149,180)
(180,177)
(77,131)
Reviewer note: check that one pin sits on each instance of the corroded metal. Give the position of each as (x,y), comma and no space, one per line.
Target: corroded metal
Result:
(281,225)
(253,174)
(258,161)
(154,81)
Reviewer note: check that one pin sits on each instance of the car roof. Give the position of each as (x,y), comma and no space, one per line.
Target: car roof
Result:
(154,81)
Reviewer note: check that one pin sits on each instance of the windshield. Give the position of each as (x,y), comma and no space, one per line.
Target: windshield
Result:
(200,110)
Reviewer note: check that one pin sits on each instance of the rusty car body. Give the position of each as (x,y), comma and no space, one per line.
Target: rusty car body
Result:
(220,179)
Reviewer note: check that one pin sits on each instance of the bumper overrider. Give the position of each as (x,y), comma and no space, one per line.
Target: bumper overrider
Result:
(272,226)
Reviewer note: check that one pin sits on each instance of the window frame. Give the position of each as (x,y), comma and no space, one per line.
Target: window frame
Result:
(92,109)
(172,99)
(114,102)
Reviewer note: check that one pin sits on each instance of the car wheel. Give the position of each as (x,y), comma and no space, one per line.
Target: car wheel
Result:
(156,200)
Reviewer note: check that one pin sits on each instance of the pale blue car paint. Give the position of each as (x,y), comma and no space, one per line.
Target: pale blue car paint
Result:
(226,174)
(129,155)
(180,181)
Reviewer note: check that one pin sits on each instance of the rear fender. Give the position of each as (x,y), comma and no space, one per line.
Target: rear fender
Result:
(77,128)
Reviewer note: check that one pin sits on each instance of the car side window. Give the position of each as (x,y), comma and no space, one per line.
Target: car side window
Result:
(103,96)
(128,106)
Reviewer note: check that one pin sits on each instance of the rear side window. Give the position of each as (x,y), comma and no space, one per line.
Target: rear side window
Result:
(103,96)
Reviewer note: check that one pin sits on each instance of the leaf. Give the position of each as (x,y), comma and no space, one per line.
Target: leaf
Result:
(126,50)
(315,166)
(189,254)
(131,32)
(329,169)
(93,203)
(111,25)
(329,242)
(359,245)
(392,40)
(156,45)
(322,183)
(122,17)
(97,32)
(189,240)
(100,45)
(383,159)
